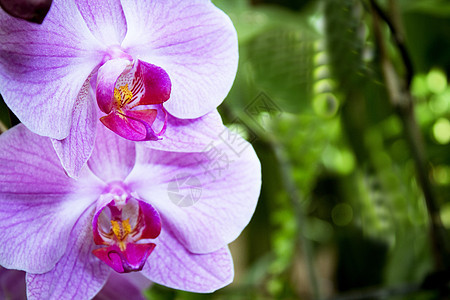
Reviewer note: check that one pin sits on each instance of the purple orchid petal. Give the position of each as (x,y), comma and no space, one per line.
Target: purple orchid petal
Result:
(39,203)
(105,20)
(189,135)
(106,81)
(223,188)
(172,265)
(30,10)
(193,41)
(113,157)
(78,274)
(43,67)
(12,284)
(75,150)
(124,287)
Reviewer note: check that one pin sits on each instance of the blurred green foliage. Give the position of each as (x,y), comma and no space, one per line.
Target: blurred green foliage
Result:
(357,218)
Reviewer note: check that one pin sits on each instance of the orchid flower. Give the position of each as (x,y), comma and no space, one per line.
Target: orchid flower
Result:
(122,214)
(118,286)
(156,69)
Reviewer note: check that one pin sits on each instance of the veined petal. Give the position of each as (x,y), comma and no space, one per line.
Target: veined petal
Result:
(105,19)
(189,135)
(75,149)
(39,203)
(78,274)
(222,188)
(172,265)
(43,67)
(113,157)
(193,41)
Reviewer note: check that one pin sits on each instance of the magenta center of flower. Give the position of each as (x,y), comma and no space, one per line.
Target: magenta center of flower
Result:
(125,226)
(131,94)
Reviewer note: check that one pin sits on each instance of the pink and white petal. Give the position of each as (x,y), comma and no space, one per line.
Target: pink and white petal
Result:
(189,135)
(106,81)
(43,67)
(223,188)
(105,19)
(113,157)
(172,265)
(193,41)
(75,150)
(12,284)
(39,203)
(78,274)
(124,287)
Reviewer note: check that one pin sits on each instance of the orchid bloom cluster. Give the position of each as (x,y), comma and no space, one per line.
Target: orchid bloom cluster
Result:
(117,101)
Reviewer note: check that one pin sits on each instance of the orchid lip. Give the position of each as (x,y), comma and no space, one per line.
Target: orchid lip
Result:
(133,100)
(124,225)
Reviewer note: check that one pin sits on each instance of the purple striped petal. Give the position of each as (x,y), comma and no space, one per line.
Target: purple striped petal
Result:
(193,41)
(78,274)
(113,157)
(206,199)
(105,19)
(43,67)
(189,135)
(39,203)
(172,265)
(75,150)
